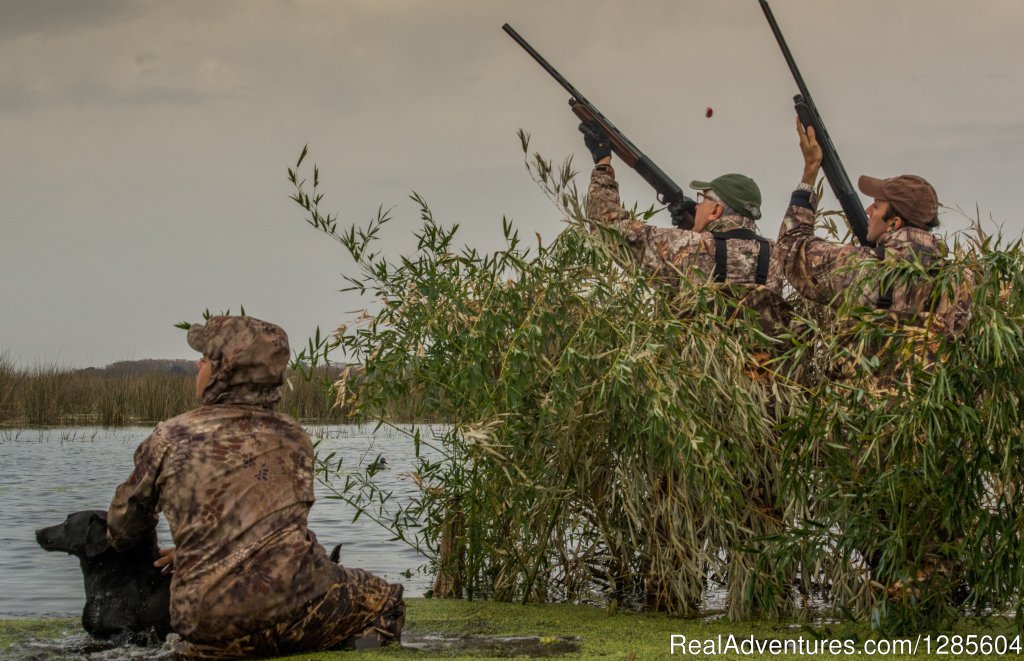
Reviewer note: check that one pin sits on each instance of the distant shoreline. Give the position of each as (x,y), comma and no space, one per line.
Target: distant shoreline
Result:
(138,393)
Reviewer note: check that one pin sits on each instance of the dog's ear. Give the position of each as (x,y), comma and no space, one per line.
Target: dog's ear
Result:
(96,539)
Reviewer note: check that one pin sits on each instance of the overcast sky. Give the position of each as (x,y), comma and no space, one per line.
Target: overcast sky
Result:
(145,144)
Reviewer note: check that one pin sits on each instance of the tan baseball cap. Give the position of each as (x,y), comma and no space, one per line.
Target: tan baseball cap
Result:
(912,198)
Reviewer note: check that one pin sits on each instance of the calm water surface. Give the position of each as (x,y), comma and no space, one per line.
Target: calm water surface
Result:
(47,473)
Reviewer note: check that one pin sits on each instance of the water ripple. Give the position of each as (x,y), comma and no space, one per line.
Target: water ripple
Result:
(47,473)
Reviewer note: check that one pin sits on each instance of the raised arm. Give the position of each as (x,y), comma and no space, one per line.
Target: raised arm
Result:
(818,269)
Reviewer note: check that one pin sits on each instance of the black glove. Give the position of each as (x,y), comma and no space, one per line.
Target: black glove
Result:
(596,140)
(682,213)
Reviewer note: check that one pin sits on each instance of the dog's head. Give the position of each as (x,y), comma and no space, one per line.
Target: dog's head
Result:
(83,534)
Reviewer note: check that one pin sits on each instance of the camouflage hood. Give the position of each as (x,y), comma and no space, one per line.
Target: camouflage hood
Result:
(249,358)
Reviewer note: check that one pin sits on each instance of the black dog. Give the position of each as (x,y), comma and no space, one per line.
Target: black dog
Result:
(126,597)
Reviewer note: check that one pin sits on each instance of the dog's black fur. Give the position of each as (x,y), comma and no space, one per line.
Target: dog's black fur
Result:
(126,597)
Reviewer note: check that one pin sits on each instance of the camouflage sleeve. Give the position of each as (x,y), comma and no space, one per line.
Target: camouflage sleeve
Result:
(133,511)
(603,203)
(660,250)
(817,269)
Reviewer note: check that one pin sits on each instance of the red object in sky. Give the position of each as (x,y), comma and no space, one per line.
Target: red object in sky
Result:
(710,111)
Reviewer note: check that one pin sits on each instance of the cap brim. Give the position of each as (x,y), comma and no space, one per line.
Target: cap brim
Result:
(700,185)
(870,186)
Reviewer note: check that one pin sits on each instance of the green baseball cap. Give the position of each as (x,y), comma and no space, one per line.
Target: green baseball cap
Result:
(736,190)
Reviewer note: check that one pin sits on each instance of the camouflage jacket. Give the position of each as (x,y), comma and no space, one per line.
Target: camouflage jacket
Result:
(235,483)
(826,271)
(670,251)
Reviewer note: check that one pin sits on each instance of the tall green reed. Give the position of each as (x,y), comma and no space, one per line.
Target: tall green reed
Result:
(601,439)
(905,453)
(610,438)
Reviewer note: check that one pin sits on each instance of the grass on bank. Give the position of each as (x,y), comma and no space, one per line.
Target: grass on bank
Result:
(46,395)
(13,630)
(601,633)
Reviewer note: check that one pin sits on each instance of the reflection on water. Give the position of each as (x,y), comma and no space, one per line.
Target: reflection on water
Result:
(47,473)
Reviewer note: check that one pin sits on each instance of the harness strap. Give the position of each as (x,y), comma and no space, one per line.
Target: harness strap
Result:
(884,295)
(722,253)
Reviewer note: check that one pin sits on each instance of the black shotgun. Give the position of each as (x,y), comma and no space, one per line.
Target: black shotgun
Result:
(669,192)
(830,163)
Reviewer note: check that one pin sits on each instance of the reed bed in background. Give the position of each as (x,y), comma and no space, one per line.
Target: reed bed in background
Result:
(51,395)
(8,384)
(612,440)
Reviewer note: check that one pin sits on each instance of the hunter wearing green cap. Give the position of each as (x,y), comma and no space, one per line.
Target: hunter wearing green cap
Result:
(723,245)
(732,194)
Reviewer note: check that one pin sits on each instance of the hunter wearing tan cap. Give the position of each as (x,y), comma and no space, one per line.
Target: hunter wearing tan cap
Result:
(902,200)
(901,216)
(902,212)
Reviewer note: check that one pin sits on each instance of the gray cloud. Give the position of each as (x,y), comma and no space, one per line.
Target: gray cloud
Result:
(51,18)
(142,137)
(966,132)
(19,98)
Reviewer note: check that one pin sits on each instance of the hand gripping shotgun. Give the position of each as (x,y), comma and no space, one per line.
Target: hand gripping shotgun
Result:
(830,163)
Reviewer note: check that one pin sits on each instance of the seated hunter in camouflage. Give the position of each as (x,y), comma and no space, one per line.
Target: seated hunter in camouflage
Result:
(900,219)
(722,247)
(235,481)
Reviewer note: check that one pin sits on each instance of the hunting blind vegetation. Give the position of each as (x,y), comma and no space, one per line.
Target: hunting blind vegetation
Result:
(614,439)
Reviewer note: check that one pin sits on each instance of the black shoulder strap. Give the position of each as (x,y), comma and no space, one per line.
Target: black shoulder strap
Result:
(884,295)
(722,253)
(764,257)
(721,257)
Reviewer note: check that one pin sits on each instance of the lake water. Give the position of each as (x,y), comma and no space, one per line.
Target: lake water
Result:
(47,473)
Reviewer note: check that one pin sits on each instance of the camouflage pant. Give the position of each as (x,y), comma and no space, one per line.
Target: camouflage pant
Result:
(320,625)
